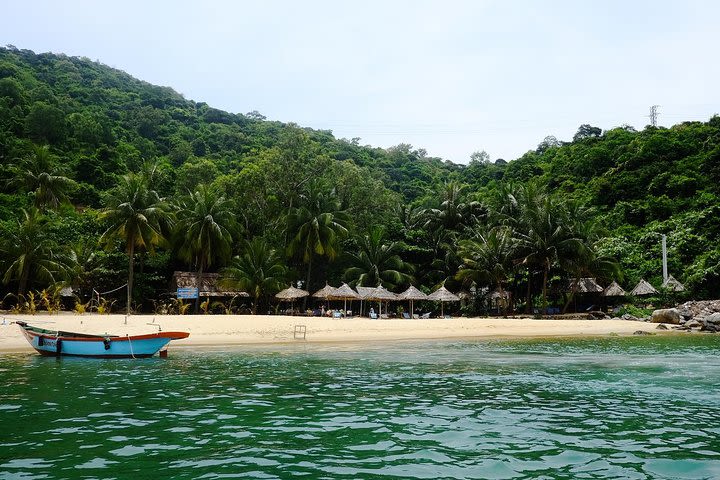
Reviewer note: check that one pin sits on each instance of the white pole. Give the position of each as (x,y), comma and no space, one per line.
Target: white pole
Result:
(664,258)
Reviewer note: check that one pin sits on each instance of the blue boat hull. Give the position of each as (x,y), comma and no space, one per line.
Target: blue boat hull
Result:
(82,345)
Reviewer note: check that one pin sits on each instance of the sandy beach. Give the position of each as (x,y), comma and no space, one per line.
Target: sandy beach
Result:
(219,330)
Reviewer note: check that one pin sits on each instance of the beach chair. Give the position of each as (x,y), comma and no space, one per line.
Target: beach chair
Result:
(373,315)
(337,314)
(425,315)
(406,315)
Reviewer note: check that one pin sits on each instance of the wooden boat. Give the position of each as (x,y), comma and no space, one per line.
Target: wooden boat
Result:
(57,343)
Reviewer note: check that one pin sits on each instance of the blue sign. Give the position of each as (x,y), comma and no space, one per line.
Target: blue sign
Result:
(187,292)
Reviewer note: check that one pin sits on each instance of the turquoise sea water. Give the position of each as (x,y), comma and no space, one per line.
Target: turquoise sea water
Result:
(631,408)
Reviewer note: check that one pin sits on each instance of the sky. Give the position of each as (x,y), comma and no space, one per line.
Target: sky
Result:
(451,76)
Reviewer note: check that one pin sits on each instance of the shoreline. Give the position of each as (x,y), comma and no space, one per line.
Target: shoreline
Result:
(216,331)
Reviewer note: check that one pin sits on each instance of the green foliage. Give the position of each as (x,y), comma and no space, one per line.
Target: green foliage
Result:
(104,155)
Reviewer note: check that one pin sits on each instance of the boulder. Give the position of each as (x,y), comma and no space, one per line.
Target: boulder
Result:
(693,324)
(662,326)
(713,318)
(642,332)
(666,315)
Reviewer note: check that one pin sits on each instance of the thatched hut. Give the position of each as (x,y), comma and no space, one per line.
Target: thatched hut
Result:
(672,285)
(325,293)
(585,285)
(643,288)
(614,290)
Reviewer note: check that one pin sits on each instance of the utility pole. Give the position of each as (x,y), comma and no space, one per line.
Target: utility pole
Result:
(664,258)
(653,115)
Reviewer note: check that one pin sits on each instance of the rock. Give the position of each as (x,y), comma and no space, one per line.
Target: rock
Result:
(627,316)
(662,326)
(685,314)
(666,315)
(642,332)
(693,324)
(709,327)
(597,315)
(681,327)
(713,318)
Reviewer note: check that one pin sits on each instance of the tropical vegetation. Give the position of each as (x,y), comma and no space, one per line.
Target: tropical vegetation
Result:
(106,180)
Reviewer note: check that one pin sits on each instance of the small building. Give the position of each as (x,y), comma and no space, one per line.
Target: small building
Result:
(209,284)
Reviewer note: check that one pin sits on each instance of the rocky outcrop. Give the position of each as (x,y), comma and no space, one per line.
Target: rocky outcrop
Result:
(666,315)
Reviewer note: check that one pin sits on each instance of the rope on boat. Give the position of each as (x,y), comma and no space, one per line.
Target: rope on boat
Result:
(13,320)
(132,354)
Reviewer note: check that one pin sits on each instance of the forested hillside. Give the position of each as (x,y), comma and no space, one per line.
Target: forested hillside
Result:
(106,179)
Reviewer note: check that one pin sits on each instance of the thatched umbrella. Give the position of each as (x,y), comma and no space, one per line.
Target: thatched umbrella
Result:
(643,288)
(345,293)
(325,293)
(363,293)
(585,285)
(412,294)
(614,290)
(443,295)
(673,285)
(381,294)
(291,294)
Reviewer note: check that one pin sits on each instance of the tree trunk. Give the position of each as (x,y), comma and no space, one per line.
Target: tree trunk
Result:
(198,279)
(528,306)
(131,273)
(23,281)
(572,294)
(502,298)
(307,284)
(546,270)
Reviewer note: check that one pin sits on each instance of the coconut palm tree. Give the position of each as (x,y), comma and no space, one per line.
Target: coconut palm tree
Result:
(376,262)
(258,270)
(455,212)
(488,259)
(316,227)
(30,255)
(40,174)
(205,229)
(135,214)
(544,236)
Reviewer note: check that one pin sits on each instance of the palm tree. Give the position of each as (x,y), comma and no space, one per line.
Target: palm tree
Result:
(30,255)
(258,270)
(39,173)
(377,262)
(318,226)
(585,260)
(544,237)
(205,229)
(135,214)
(455,212)
(488,259)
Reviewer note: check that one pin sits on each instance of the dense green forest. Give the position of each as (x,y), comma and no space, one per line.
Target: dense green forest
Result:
(106,179)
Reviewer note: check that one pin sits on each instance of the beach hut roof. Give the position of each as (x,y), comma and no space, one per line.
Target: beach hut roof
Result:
(495,294)
(344,292)
(363,292)
(614,290)
(326,292)
(585,285)
(381,293)
(643,288)
(412,293)
(442,294)
(673,285)
(291,293)
(210,284)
